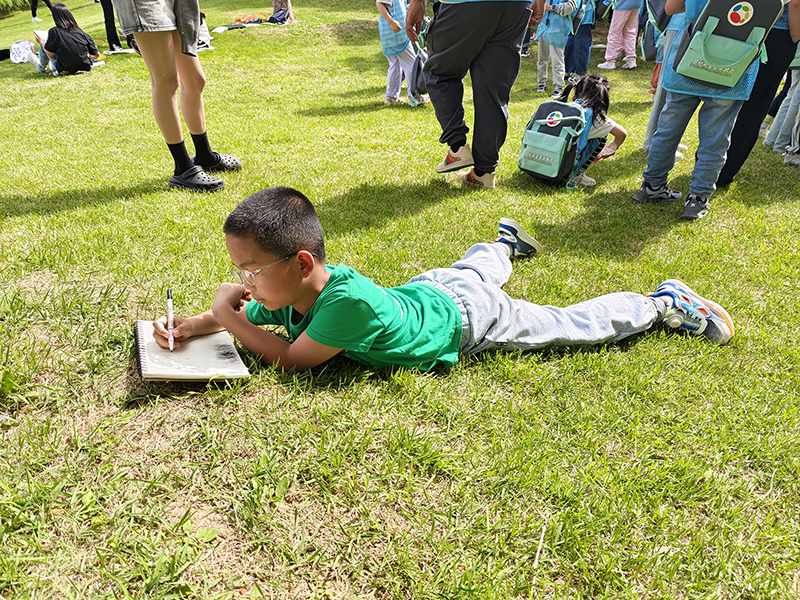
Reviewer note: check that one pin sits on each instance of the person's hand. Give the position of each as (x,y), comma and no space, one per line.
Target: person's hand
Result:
(38,39)
(395,26)
(607,152)
(230,296)
(548,7)
(534,21)
(414,15)
(182,330)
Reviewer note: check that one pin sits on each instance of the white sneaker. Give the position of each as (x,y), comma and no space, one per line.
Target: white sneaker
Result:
(587,181)
(33,58)
(792,159)
(609,64)
(418,100)
(454,162)
(678,156)
(485,181)
(683,147)
(35,20)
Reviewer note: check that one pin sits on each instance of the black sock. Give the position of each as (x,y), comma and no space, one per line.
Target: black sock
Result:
(478,172)
(181,157)
(457,147)
(205,156)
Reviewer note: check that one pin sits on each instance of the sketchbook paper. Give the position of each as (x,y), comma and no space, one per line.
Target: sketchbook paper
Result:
(202,358)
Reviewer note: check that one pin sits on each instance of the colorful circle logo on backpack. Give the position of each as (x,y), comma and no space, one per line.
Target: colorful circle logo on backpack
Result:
(740,13)
(554,118)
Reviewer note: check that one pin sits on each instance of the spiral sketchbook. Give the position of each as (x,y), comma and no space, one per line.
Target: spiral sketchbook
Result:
(202,358)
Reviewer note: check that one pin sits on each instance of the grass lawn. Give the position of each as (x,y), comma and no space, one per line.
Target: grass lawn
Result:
(662,467)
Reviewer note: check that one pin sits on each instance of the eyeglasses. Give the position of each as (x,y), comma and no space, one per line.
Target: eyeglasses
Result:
(246,277)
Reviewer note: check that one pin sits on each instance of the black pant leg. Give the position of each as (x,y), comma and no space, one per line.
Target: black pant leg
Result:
(111,27)
(780,52)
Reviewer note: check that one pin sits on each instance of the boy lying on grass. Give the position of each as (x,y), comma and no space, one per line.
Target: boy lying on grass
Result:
(275,240)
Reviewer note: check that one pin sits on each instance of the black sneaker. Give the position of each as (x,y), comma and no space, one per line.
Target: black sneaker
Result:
(525,53)
(115,48)
(657,194)
(696,207)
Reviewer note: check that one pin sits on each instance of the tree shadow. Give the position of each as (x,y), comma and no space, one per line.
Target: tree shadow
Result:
(369,99)
(356,32)
(12,205)
(611,224)
(350,211)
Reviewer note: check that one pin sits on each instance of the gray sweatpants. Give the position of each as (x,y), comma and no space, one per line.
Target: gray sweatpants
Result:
(492,319)
(484,38)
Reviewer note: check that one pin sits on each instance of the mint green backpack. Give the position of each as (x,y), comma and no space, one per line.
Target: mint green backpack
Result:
(724,40)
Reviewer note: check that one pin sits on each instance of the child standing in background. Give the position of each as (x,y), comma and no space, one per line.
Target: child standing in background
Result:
(622,34)
(579,45)
(552,35)
(397,49)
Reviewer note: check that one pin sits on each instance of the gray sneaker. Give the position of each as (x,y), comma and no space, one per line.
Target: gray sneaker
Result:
(696,207)
(658,194)
(792,159)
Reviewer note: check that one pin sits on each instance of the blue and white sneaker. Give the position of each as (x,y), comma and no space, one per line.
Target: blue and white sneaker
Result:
(691,312)
(521,242)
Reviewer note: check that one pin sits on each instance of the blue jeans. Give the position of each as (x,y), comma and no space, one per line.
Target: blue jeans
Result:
(576,52)
(43,58)
(715,123)
(492,319)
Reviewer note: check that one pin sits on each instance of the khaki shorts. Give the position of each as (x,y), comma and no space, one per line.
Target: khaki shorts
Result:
(145,15)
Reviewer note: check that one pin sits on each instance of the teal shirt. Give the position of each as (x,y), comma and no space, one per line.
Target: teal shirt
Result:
(415,325)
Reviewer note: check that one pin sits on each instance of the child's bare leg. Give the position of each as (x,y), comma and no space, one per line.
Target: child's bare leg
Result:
(193,81)
(158,51)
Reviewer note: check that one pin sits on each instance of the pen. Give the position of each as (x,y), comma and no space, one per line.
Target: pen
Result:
(170,325)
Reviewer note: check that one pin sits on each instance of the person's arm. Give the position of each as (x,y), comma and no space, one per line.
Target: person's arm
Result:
(300,355)
(564,9)
(794,19)
(51,54)
(537,14)
(673,7)
(387,17)
(414,15)
(619,134)
(183,329)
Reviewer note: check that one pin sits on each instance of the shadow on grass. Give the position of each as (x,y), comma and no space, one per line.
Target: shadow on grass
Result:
(610,224)
(18,204)
(372,205)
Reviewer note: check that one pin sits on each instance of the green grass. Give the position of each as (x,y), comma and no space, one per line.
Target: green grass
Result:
(659,468)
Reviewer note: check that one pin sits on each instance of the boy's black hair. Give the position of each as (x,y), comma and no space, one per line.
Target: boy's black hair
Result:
(281,220)
(594,91)
(63,17)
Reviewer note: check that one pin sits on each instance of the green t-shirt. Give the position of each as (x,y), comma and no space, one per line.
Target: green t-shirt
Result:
(416,325)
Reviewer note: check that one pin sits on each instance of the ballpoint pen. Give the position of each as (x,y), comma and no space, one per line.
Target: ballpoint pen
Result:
(170,325)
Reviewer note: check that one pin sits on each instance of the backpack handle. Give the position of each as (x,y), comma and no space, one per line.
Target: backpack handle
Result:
(711,24)
(580,119)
